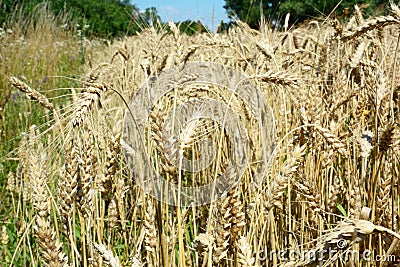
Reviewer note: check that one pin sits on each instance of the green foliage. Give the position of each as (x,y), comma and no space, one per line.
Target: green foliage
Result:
(6,8)
(251,11)
(107,18)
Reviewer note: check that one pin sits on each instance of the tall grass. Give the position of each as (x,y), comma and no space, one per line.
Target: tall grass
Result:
(35,49)
(331,187)
(43,52)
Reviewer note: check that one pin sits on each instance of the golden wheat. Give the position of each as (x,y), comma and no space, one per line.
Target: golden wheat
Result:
(333,90)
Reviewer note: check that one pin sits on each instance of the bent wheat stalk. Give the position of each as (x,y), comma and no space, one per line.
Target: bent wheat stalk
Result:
(346,234)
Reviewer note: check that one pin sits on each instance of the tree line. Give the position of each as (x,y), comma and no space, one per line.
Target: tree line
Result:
(274,11)
(104,18)
(117,18)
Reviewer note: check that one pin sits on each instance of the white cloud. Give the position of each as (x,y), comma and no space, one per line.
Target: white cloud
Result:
(170,10)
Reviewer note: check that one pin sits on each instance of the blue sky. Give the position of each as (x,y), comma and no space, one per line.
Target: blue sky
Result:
(180,10)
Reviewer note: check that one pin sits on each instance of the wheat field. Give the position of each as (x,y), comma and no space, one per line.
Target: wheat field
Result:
(332,182)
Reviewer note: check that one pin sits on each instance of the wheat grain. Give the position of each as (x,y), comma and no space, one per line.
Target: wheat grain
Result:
(334,192)
(279,78)
(136,261)
(4,236)
(333,140)
(160,139)
(11,183)
(383,197)
(329,87)
(279,184)
(203,243)
(112,213)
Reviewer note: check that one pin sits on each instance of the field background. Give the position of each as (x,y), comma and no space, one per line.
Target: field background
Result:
(68,198)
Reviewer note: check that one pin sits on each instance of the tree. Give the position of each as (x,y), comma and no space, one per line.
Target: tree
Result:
(302,10)
(251,11)
(8,7)
(106,18)
(150,16)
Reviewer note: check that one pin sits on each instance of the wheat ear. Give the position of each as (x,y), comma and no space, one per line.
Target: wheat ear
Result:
(150,237)
(50,245)
(31,93)
(245,257)
(69,181)
(107,255)
(91,93)
(374,23)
